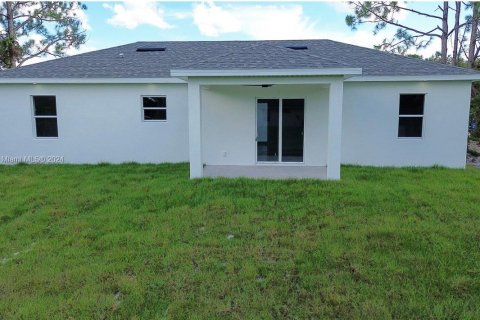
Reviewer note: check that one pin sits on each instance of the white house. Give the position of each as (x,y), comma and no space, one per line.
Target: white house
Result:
(238,108)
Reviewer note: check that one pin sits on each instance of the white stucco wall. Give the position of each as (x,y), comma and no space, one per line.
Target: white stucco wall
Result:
(96,123)
(229,124)
(104,123)
(370,124)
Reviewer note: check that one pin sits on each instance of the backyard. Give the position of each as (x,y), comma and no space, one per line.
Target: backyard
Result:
(144,241)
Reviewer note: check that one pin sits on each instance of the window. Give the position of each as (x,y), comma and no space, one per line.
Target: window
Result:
(410,122)
(45,116)
(154,108)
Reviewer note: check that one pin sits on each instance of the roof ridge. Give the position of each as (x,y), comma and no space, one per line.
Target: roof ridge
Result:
(229,41)
(301,52)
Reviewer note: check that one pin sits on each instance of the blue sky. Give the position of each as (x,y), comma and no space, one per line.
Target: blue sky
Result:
(115,23)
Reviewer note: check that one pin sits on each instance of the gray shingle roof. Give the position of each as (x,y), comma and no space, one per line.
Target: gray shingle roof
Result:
(259,55)
(125,62)
(378,63)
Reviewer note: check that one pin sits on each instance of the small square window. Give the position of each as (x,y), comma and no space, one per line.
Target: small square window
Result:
(410,122)
(46,127)
(45,106)
(411,104)
(410,127)
(45,116)
(155,114)
(154,102)
(154,108)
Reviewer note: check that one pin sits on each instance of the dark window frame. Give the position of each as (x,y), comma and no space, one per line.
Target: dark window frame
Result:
(35,116)
(153,108)
(412,116)
(280,160)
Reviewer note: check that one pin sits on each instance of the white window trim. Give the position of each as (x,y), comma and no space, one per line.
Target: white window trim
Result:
(153,108)
(35,117)
(412,116)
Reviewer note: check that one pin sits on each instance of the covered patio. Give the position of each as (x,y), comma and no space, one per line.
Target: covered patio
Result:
(261,121)
(224,126)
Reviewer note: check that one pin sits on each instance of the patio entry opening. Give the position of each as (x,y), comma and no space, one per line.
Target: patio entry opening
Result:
(280,126)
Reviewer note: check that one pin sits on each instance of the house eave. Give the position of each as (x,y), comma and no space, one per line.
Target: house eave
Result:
(265,72)
(90,80)
(457,77)
(181,76)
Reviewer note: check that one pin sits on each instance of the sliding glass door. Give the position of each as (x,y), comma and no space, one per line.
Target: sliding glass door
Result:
(280,124)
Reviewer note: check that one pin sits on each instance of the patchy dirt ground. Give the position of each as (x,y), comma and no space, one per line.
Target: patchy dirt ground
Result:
(473,155)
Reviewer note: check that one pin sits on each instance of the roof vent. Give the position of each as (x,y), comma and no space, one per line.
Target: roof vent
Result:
(149,49)
(298,47)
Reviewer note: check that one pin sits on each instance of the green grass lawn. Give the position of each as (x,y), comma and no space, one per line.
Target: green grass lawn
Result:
(143,241)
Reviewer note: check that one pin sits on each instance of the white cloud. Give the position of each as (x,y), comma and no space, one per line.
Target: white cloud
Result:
(346,8)
(402,14)
(213,20)
(281,22)
(431,49)
(82,16)
(181,15)
(341,7)
(131,14)
(257,21)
